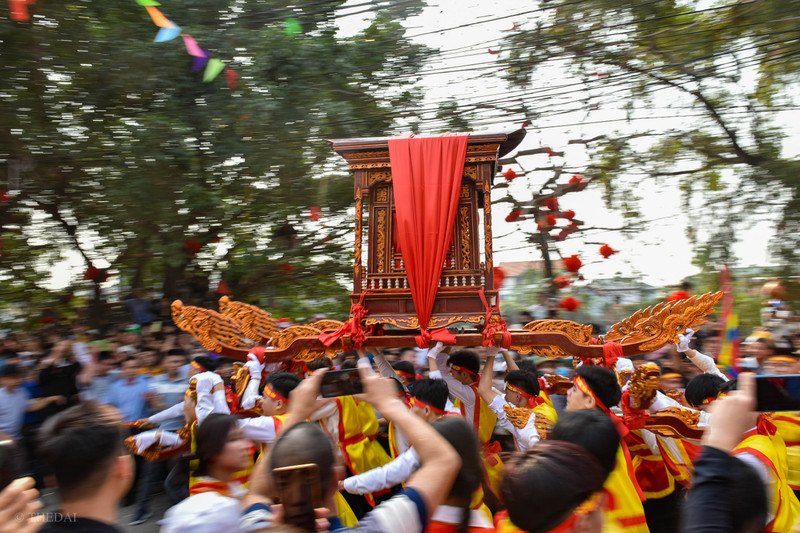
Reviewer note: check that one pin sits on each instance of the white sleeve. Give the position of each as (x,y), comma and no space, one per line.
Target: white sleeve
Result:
(221,402)
(663,401)
(261,429)
(706,364)
(170,412)
(456,388)
(250,393)
(392,473)
(325,411)
(527,436)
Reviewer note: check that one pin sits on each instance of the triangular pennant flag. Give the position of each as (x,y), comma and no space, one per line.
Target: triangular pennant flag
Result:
(158,17)
(213,68)
(231,76)
(147,3)
(167,34)
(200,61)
(192,47)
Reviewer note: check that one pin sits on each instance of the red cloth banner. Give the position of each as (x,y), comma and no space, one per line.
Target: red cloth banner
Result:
(426,176)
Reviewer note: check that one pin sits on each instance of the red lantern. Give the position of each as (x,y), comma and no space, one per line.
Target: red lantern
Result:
(286,267)
(569,214)
(514,215)
(578,181)
(563,234)
(5,197)
(551,204)
(192,246)
(551,220)
(102,276)
(230,76)
(499,276)
(562,281)
(678,295)
(606,251)
(91,273)
(549,151)
(570,304)
(510,174)
(573,263)
(314,213)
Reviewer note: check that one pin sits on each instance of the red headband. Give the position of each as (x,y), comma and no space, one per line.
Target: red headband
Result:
(422,405)
(459,368)
(533,401)
(404,374)
(198,366)
(270,393)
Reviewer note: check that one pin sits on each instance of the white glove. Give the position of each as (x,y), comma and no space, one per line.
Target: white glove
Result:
(492,351)
(255,369)
(683,345)
(249,402)
(436,350)
(206,381)
(145,440)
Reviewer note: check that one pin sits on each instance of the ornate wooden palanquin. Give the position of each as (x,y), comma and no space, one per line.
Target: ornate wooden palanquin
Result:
(468,266)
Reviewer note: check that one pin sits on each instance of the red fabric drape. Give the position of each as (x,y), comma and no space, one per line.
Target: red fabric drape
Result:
(426,176)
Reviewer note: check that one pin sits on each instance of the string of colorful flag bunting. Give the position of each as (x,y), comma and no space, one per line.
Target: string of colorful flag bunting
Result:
(168,30)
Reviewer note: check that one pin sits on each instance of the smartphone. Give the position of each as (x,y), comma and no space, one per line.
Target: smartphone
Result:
(778,393)
(300,493)
(341,383)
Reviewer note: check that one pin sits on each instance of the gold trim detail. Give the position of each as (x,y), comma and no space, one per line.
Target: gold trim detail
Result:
(645,382)
(213,330)
(256,323)
(577,333)
(466,252)
(380,237)
(382,194)
(661,324)
(413,323)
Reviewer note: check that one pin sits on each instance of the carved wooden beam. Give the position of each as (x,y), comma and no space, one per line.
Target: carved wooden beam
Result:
(644,332)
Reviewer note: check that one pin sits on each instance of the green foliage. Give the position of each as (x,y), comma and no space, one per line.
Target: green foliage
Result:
(727,67)
(127,154)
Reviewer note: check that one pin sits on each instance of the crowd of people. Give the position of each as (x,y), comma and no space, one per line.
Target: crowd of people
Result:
(441,440)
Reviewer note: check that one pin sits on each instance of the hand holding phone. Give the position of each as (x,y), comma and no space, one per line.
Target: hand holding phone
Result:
(300,494)
(341,383)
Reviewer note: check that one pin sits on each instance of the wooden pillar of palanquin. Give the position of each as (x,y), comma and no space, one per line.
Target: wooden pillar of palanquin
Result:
(468,266)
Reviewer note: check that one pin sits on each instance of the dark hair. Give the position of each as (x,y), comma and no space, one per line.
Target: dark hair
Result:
(349,363)
(105,355)
(305,443)
(524,381)
(322,362)
(745,498)
(542,487)
(80,445)
(10,371)
(208,364)
(528,365)
(591,430)
(466,358)
(210,438)
(701,388)
(176,351)
(224,361)
(405,366)
(431,391)
(461,436)
(729,385)
(603,383)
(283,382)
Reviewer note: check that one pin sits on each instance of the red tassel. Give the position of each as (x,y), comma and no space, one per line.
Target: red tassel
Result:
(514,215)
(551,204)
(569,214)
(510,174)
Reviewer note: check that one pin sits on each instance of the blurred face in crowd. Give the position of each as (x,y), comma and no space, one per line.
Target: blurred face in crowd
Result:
(104,367)
(408,355)
(172,363)
(578,400)
(130,338)
(130,369)
(780,368)
(148,359)
(236,453)
(760,349)
(10,382)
